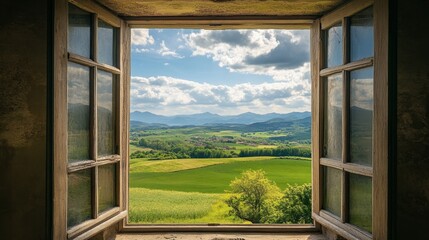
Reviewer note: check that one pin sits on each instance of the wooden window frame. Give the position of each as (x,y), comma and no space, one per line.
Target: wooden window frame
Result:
(379,170)
(214,23)
(61,166)
(380,138)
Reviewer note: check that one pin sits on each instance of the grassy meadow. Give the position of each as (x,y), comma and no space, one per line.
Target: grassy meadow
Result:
(192,190)
(165,189)
(216,178)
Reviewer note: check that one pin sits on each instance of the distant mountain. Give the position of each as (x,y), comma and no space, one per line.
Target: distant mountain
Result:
(294,130)
(277,123)
(210,118)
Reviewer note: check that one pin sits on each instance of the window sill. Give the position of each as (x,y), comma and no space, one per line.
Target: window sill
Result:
(220,228)
(225,236)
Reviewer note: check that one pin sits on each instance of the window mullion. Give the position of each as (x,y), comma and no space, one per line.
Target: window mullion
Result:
(93,124)
(94,141)
(346,40)
(94,38)
(363,63)
(345,127)
(95,192)
(344,153)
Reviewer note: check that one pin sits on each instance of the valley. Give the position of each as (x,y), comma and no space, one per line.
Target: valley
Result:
(181,174)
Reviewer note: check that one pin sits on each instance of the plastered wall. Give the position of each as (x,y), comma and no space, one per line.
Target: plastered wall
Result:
(412,200)
(23,125)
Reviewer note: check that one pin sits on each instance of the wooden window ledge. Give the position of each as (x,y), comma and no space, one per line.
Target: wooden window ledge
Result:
(221,236)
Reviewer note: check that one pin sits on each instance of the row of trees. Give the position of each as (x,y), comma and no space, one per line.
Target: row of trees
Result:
(256,199)
(280,151)
(196,152)
(180,149)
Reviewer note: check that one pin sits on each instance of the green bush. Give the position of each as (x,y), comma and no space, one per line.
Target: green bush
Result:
(257,199)
(254,197)
(295,205)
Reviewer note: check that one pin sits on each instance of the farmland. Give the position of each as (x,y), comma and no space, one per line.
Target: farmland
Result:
(191,190)
(168,184)
(215,178)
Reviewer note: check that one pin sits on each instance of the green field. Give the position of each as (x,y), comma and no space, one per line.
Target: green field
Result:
(171,182)
(192,190)
(216,178)
(159,206)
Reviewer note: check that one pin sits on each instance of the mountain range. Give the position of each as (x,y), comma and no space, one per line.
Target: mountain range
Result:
(207,118)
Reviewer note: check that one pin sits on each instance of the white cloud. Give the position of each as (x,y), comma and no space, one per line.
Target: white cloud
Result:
(281,54)
(168,95)
(141,37)
(166,64)
(165,51)
(141,50)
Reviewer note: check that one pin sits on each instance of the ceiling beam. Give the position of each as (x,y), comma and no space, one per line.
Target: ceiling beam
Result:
(223,22)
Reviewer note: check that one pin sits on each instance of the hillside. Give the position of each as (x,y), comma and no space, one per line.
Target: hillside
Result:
(210,118)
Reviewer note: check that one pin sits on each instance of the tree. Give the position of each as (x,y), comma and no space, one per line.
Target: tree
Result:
(295,205)
(254,197)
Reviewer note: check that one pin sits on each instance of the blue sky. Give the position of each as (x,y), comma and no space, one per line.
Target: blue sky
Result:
(183,71)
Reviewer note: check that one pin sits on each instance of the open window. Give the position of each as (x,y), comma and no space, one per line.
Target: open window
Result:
(349,118)
(348,163)
(195,129)
(89,153)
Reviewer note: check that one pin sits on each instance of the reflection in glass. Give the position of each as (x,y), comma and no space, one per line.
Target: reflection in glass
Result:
(79,197)
(106,43)
(105,113)
(360,201)
(332,190)
(362,35)
(334,45)
(106,187)
(78,99)
(79,31)
(361,111)
(333,117)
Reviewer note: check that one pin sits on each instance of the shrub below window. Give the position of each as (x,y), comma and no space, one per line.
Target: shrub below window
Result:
(256,199)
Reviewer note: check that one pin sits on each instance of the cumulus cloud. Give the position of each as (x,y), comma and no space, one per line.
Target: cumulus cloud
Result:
(281,54)
(165,51)
(167,95)
(141,37)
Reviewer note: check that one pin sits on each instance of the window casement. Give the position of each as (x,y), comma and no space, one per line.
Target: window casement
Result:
(89,116)
(349,168)
(90,120)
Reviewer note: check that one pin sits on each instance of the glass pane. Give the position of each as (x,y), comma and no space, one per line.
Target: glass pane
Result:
(332,190)
(360,201)
(106,187)
(105,113)
(79,31)
(333,117)
(106,43)
(362,35)
(79,197)
(334,45)
(361,111)
(78,78)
